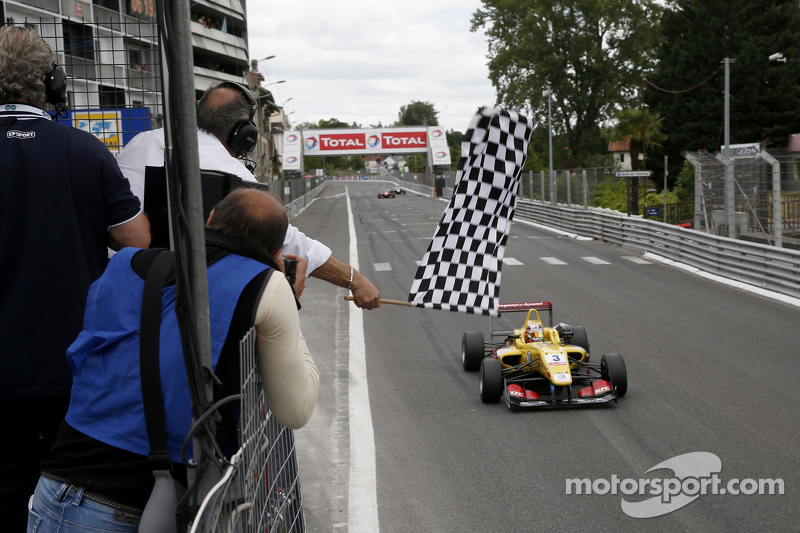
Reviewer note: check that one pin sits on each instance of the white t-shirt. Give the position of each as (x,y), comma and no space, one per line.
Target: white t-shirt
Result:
(147,150)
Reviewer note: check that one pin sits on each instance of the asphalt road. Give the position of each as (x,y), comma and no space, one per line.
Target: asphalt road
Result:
(710,369)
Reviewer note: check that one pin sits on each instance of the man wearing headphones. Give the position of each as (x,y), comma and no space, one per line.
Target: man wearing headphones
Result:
(226,132)
(63,200)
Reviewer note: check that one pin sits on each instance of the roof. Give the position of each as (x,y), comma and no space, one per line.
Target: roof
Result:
(619,146)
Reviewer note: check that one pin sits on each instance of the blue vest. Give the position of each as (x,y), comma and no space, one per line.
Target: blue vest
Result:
(106,402)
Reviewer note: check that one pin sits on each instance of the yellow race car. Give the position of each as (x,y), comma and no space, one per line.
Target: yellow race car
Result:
(542,365)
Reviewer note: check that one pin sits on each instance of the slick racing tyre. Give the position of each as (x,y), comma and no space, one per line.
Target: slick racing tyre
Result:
(612,368)
(472,350)
(491,380)
(580,338)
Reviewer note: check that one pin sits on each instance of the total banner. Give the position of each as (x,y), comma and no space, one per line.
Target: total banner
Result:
(292,157)
(438,151)
(371,141)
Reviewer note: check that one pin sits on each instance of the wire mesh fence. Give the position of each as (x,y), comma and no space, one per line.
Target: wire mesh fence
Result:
(114,83)
(113,74)
(260,492)
(763,196)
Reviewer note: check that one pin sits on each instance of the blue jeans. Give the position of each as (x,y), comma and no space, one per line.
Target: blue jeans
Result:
(59,507)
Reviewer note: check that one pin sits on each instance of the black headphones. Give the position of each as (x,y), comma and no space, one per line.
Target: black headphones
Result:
(244,135)
(55,86)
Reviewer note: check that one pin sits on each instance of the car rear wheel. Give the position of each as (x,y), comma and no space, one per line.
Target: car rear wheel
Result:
(491,380)
(612,368)
(580,338)
(472,350)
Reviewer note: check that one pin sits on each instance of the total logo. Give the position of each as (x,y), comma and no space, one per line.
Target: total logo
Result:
(311,142)
(441,155)
(437,134)
(373,141)
(292,138)
(291,160)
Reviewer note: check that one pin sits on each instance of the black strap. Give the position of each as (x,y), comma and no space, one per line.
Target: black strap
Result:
(150,332)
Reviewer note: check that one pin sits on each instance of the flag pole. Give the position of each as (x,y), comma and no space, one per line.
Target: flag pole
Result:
(391,302)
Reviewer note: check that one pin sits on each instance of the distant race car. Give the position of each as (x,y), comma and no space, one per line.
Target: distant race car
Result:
(542,366)
(398,190)
(386,194)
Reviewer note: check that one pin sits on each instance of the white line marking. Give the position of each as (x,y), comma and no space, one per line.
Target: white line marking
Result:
(511,261)
(382,267)
(552,261)
(596,260)
(362,498)
(636,259)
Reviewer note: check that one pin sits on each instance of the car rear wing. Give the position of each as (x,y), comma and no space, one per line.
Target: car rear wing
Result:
(518,307)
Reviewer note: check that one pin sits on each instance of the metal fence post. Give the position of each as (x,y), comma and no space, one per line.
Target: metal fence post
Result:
(542,178)
(585,191)
(569,187)
(777,215)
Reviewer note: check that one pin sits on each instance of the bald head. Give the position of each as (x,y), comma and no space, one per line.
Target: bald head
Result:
(222,107)
(253,218)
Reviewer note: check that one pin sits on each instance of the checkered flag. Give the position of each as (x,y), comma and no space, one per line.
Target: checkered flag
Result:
(461,269)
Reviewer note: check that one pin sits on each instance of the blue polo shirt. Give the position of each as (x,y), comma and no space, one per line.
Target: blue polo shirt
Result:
(60,191)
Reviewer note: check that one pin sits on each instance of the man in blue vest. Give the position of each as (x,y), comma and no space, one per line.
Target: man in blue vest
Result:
(97,474)
(63,200)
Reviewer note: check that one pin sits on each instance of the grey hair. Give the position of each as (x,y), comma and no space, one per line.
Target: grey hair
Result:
(219,119)
(25,60)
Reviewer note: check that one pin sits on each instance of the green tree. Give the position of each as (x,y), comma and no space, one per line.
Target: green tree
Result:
(590,53)
(640,130)
(454,139)
(687,88)
(417,114)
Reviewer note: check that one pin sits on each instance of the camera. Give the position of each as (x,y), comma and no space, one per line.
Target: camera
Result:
(290,268)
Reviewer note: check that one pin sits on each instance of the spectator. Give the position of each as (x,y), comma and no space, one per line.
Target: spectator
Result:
(221,109)
(63,199)
(98,470)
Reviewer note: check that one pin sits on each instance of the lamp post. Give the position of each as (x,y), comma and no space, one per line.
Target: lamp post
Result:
(549,94)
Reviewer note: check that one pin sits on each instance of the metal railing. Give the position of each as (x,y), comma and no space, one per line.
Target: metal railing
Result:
(764,266)
(260,491)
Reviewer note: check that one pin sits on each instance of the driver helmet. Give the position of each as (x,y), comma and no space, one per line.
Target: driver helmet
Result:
(533,331)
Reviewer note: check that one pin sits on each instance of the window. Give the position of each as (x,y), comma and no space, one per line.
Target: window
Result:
(111,98)
(78,40)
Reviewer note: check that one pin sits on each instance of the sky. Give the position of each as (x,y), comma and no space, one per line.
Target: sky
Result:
(360,61)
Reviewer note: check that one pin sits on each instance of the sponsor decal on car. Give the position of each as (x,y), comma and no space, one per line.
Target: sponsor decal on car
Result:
(532,404)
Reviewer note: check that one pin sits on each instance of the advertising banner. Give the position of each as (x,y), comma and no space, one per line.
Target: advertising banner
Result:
(439,151)
(292,156)
(362,142)
(114,127)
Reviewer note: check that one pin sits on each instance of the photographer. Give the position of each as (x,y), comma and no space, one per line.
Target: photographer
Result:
(97,474)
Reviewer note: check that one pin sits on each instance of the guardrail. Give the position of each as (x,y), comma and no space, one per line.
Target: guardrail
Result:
(296,207)
(767,267)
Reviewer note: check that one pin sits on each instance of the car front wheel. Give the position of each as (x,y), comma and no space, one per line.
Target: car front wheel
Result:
(612,368)
(491,380)
(472,350)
